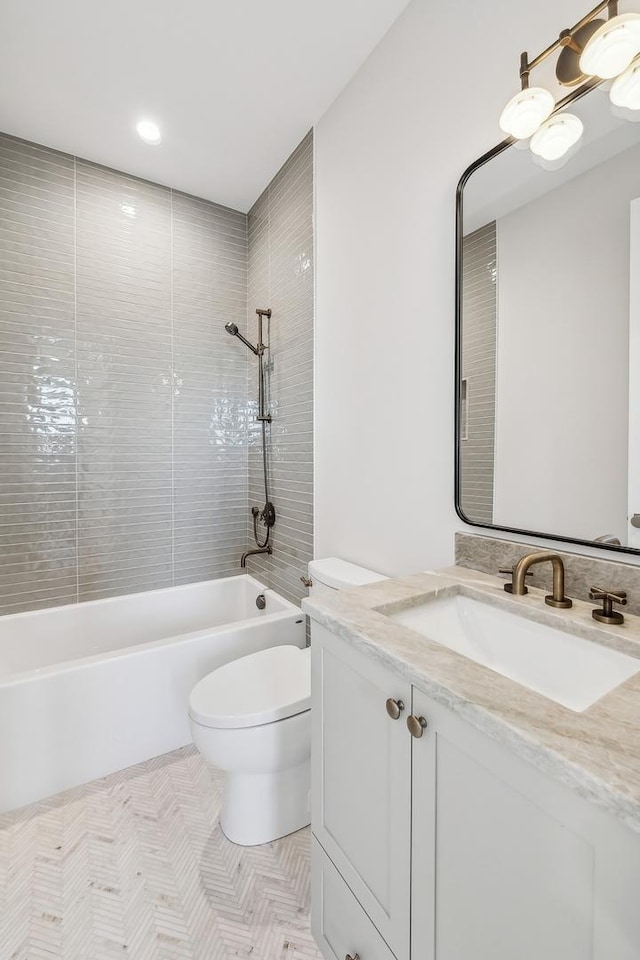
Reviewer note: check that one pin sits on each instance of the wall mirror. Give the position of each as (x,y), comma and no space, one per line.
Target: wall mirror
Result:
(548,337)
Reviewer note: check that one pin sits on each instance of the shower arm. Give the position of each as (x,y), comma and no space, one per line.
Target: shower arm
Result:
(257,350)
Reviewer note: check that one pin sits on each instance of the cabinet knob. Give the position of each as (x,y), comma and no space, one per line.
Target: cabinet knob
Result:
(394,708)
(348,956)
(416,725)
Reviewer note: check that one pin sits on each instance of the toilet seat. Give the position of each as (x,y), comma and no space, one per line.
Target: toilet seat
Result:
(254,690)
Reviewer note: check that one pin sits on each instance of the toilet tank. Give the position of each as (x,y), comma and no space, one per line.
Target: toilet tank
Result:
(335,574)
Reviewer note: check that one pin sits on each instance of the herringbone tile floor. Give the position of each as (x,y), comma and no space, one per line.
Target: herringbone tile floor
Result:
(135,866)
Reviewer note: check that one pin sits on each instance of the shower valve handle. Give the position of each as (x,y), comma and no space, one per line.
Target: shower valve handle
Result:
(268,515)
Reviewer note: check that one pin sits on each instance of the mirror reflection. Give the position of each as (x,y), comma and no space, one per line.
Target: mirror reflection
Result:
(549,337)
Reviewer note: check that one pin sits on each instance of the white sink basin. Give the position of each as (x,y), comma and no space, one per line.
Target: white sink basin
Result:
(560,666)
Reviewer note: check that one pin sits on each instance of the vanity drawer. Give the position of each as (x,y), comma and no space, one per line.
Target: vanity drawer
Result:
(339,924)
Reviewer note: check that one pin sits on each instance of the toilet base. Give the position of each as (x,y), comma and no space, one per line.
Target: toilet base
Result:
(261,807)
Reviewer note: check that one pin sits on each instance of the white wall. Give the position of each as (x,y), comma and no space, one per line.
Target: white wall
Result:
(388,155)
(563,356)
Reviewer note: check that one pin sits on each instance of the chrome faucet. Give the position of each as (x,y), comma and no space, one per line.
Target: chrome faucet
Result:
(518,588)
(253,553)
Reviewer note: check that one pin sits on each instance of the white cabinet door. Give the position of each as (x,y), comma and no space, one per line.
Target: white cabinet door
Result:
(340,926)
(361,787)
(500,870)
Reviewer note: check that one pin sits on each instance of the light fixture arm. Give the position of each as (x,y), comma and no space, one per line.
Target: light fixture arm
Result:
(566,37)
(566,40)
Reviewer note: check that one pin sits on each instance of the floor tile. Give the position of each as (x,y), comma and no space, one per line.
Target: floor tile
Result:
(135,865)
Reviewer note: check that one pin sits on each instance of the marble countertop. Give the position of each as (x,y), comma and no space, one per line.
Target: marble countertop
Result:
(596,752)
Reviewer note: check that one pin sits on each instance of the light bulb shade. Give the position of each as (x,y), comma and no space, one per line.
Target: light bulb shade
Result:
(526,111)
(612,47)
(625,91)
(557,136)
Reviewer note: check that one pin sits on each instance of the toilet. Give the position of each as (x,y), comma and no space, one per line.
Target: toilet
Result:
(251,718)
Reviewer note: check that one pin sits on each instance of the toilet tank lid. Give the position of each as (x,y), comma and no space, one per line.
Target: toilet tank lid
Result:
(262,687)
(340,574)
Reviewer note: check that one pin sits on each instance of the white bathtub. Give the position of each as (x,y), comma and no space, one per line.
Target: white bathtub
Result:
(91,688)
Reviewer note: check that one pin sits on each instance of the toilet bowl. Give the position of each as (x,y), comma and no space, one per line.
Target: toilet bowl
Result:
(251,718)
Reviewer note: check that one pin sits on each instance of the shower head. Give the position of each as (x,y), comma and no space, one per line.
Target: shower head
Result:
(232,329)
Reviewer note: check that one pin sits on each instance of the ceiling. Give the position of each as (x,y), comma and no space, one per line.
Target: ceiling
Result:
(233,84)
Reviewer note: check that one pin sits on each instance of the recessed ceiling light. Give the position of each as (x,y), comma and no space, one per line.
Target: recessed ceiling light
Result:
(148,131)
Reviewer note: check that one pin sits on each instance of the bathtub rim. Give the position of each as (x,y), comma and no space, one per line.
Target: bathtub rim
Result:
(138,649)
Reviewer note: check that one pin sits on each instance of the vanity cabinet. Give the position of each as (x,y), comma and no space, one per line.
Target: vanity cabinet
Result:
(361,772)
(498,869)
(448,845)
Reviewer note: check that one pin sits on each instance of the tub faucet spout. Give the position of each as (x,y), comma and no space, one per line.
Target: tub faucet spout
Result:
(253,553)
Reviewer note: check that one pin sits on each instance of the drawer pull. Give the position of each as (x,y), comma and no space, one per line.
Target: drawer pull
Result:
(348,956)
(394,709)
(416,725)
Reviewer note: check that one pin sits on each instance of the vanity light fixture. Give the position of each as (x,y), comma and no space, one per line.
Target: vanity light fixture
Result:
(557,136)
(525,112)
(625,91)
(591,51)
(149,132)
(612,47)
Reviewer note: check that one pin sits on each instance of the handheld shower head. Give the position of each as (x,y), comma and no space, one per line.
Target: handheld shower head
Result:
(232,330)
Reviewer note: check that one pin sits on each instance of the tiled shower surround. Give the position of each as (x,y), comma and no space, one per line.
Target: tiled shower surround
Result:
(281,277)
(125,407)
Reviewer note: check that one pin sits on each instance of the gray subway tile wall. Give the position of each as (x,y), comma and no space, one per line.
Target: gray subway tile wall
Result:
(126,409)
(210,410)
(38,385)
(479,371)
(124,345)
(281,277)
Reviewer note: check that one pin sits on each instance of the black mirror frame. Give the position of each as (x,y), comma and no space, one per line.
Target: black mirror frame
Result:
(480,162)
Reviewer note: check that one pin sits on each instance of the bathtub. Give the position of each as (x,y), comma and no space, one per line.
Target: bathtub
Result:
(95,687)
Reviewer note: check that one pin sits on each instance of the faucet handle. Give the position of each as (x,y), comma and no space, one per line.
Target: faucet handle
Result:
(597,593)
(508,587)
(606,613)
